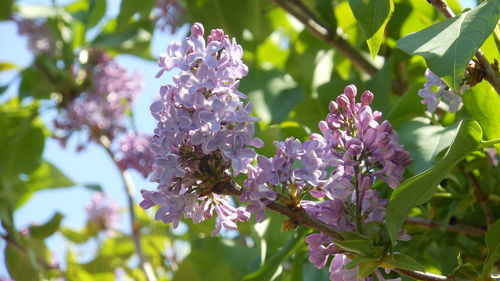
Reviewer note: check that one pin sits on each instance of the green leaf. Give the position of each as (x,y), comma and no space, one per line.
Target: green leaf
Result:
(46,176)
(134,40)
(492,239)
(360,247)
(466,271)
(233,16)
(351,235)
(272,93)
(408,106)
(425,141)
(97,10)
(272,264)
(129,8)
(359,260)
(483,102)
(325,10)
(21,265)
(403,261)
(366,268)
(22,138)
(449,45)
(421,188)
(200,265)
(47,229)
(5,65)
(93,187)
(34,84)
(372,16)
(5,9)
(78,237)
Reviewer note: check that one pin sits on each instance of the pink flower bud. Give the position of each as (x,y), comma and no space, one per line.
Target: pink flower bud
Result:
(367,98)
(343,101)
(197,29)
(333,106)
(350,91)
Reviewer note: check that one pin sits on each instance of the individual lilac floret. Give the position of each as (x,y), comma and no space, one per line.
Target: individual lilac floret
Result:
(100,110)
(135,153)
(204,133)
(103,212)
(434,89)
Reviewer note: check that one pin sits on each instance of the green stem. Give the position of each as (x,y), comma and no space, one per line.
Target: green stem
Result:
(489,143)
(129,191)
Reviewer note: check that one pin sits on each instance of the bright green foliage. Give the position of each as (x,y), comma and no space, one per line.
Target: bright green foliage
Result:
(373,16)
(449,45)
(420,188)
(403,261)
(482,102)
(492,240)
(272,265)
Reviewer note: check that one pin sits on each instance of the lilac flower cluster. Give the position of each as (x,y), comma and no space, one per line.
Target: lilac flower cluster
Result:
(203,130)
(102,107)
(103,212)
(135,153)
(435,88)
(40,39)
(168,14)
(339,165)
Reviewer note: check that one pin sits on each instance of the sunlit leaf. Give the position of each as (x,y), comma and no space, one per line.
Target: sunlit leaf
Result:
(449,45)
(492,239)
(372,16)
(421,188)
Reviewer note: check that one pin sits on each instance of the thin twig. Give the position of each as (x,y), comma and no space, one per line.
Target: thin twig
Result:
(481,199)
(129,191)
(458,227)
(297,9)
(300,217)
(491,75)
(424,276)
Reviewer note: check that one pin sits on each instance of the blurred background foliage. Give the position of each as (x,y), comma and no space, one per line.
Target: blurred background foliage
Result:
(294,73)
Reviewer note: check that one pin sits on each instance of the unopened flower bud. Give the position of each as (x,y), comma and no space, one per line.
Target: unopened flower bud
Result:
(367,98)
(350,91)
(343,101)
(197,29)
(333,106)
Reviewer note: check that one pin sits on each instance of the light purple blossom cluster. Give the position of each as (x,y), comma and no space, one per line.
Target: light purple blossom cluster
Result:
(168,14)
(103,212)
(435,88)
(101,108)
(135,153)
(203,130)
(40,39)
(340,165)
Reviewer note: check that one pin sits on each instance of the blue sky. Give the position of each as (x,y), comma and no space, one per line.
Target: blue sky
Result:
(91,165)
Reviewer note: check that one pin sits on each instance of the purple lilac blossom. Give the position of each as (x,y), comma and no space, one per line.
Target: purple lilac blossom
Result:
(100,109)
(168,14)
(204,131)
(104,212)
(40,39)
(435,88)
(135,153)
(353,151)
(492,154)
